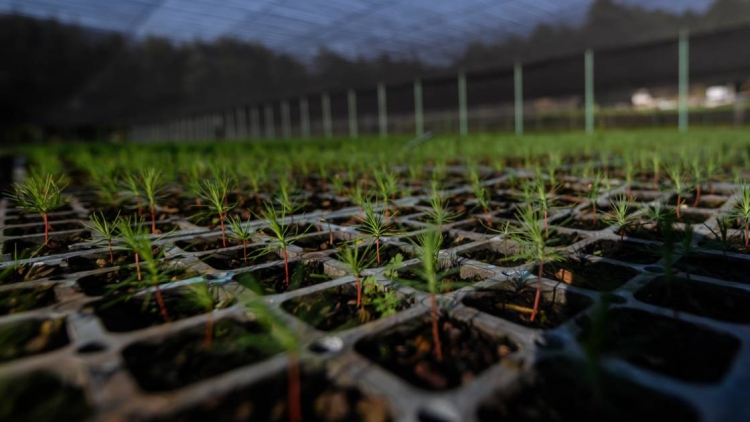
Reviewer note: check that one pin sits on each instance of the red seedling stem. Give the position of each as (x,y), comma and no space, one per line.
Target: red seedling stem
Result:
(153,219)
(293,393)
(593,205)
(377,248)
(546,225)
(286,266)
(160,302)
(244,249)
(138,266)
(46,228)
(208,339)
(538,294)
(223,236)
(435,331)
(697,196)
(487,217)
(679,200)
(111,255)
(140,210)
(747,234)
(359,292)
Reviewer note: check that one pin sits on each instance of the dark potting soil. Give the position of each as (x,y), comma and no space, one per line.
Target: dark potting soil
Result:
(698,298)
(449,279)
(39,228)
(235,258)
(692,218)
(562,240)
(202,244)
(716,266)
(452,241)
(42,396)
(184,359)
(22,300)
(272,280)
(593,275)
(97,261)
(490,256)
(665,345)
(516,305)
(637,253)
(710,202)
(319,242)
(387,252)
(267,400)
(336,309)
(37,218)
(342,221)
(57,244)
(558,392)
(408,352)
(103,283)
(651,233)
(481,227)
(121,315)
(583,224)
(297,229)
(28,272)
(18,211)
(31,337)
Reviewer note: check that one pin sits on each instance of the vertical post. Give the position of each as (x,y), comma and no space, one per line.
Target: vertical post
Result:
(382,111)
(352,103)
(462,115)
(684,87)
(286,123)
(304,116)
(255,123)
(418,119)
(326,104)
(518,93)
(589,70)
(268,114)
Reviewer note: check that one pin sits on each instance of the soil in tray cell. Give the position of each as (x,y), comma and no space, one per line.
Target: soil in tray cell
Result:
(716,266)
(320,400)
(490,256)
(583,224)
(592,275)
(272,280)
(42,396)
(39,229)
(450,278)
(665,345)
(28,272)
(22,300)
(561,240)
(299,229)
(202,244)
(37,218)
(319,242)
(185,358)
(387,252)
(235,258)
(710,202)
(408,352)
(18,211)
(636,253)
(734,244)
(104,282)
(559,390)
(31,337)
(336,309)
(342,221)
(516,305)
(698,298)
(651,233)
(121,315)
(102,260)
(57,244)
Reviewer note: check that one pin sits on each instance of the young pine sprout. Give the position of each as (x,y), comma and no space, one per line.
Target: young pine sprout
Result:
(621,216)
(439,214)
(241,232)
(594,188)
(132,187)
(481,194)
(106,230)
(675,174)
(387,187)
(283,234)
(696,166)
(375,225)
(206,296)
(39,195)
(357,259)
(533,239)
(542,200)
(152,181)
(429,250)
(741,211)
(214,192)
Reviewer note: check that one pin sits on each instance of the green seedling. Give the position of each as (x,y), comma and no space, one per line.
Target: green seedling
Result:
(429,251)
(594,189)
(741,211)
(387,187)
(214,192)
(675,173)
(620,216)
(439,214)
(384,300)
(106,230)
(375,225)
(282,233)
(357,260)
(39,195)
(132,191)
(241,232)
(208,297)
(481,194)
(152,181)
(721,239)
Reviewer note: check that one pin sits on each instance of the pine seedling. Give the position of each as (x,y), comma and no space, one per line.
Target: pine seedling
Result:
(481,194)
(387,187)
(152,181)
(239,231)
(385,301)
(439,214)
(533,237)
(593,193)
(721,239)
(39,195)
(675,174)
(206,296)
(620,216)
(376,225)
(106,230)
(429,252)
(357,260)
(134,238)
(214,192)
(696,167)
(542,199)
(741,211)
(283,234)
(132,188)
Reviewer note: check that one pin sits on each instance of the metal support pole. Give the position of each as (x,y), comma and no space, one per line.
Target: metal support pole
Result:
(382,111)
(352,103)
(462,115)
(684,74)
(304,116)
(418,118)
(518,91)
(255,123)
(589,69)
(268,114)
(286,123)
(326,104)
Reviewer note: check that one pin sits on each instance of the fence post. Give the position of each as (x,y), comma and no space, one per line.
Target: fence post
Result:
(418,118)
(268,114)
(589,69)
(518,93)
(326,103)
(684,88)
(351,97)
(286,124)
(462,114)
(304,116)
(382,111)
(255,123)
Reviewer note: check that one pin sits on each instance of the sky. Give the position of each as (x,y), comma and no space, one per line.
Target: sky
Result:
(350,27)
